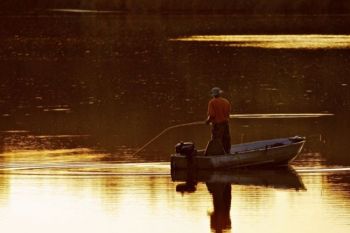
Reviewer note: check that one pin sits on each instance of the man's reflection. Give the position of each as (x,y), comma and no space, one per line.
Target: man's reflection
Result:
(220,217)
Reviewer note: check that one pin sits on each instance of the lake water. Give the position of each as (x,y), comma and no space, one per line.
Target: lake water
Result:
(81,92)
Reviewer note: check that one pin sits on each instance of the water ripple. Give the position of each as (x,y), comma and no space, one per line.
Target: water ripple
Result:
(281,115)
(323,170)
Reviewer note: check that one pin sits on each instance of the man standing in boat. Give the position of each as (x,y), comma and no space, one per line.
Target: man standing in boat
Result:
(219,110)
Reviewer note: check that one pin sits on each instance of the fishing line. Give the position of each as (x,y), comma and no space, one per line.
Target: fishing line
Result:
(81,165)
(90,174)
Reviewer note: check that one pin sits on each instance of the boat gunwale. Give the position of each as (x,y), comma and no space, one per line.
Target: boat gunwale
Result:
(269,148)
(247,151)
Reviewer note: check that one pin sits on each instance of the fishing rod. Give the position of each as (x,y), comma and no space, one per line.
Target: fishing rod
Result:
(239,116)
(166,130)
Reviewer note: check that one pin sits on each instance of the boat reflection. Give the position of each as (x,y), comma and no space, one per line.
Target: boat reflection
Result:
(219,185)
(282,178)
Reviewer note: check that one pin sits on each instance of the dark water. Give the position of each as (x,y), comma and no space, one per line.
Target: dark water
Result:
(80,93)
(118,80)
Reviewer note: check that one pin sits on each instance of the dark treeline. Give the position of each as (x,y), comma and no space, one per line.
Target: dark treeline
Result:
(187,6)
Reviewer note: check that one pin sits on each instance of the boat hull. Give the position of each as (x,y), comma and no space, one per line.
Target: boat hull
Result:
(261,153)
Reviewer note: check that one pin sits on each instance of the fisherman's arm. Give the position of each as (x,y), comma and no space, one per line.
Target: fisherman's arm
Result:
(211,114)
(208,120)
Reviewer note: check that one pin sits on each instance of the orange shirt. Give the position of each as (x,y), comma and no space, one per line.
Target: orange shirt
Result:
(219,110)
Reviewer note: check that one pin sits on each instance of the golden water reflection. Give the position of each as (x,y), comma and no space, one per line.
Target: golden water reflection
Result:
(306,41)
(149,202)
(280,115)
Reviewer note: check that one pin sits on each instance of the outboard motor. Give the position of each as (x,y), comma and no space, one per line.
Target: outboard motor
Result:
(296,139)
(186,148)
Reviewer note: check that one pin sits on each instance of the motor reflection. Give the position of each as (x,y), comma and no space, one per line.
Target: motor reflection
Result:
(219,185)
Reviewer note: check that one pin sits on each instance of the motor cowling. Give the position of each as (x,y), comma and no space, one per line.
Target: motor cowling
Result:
(296,139)
(185,148)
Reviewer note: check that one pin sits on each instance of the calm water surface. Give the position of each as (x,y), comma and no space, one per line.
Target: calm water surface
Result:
(80,93)
(118,201)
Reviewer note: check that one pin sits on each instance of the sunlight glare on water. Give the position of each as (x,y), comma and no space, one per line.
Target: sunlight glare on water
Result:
(308,41)
(152,204)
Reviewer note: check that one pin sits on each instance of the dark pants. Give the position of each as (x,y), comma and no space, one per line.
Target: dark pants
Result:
(221,132)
